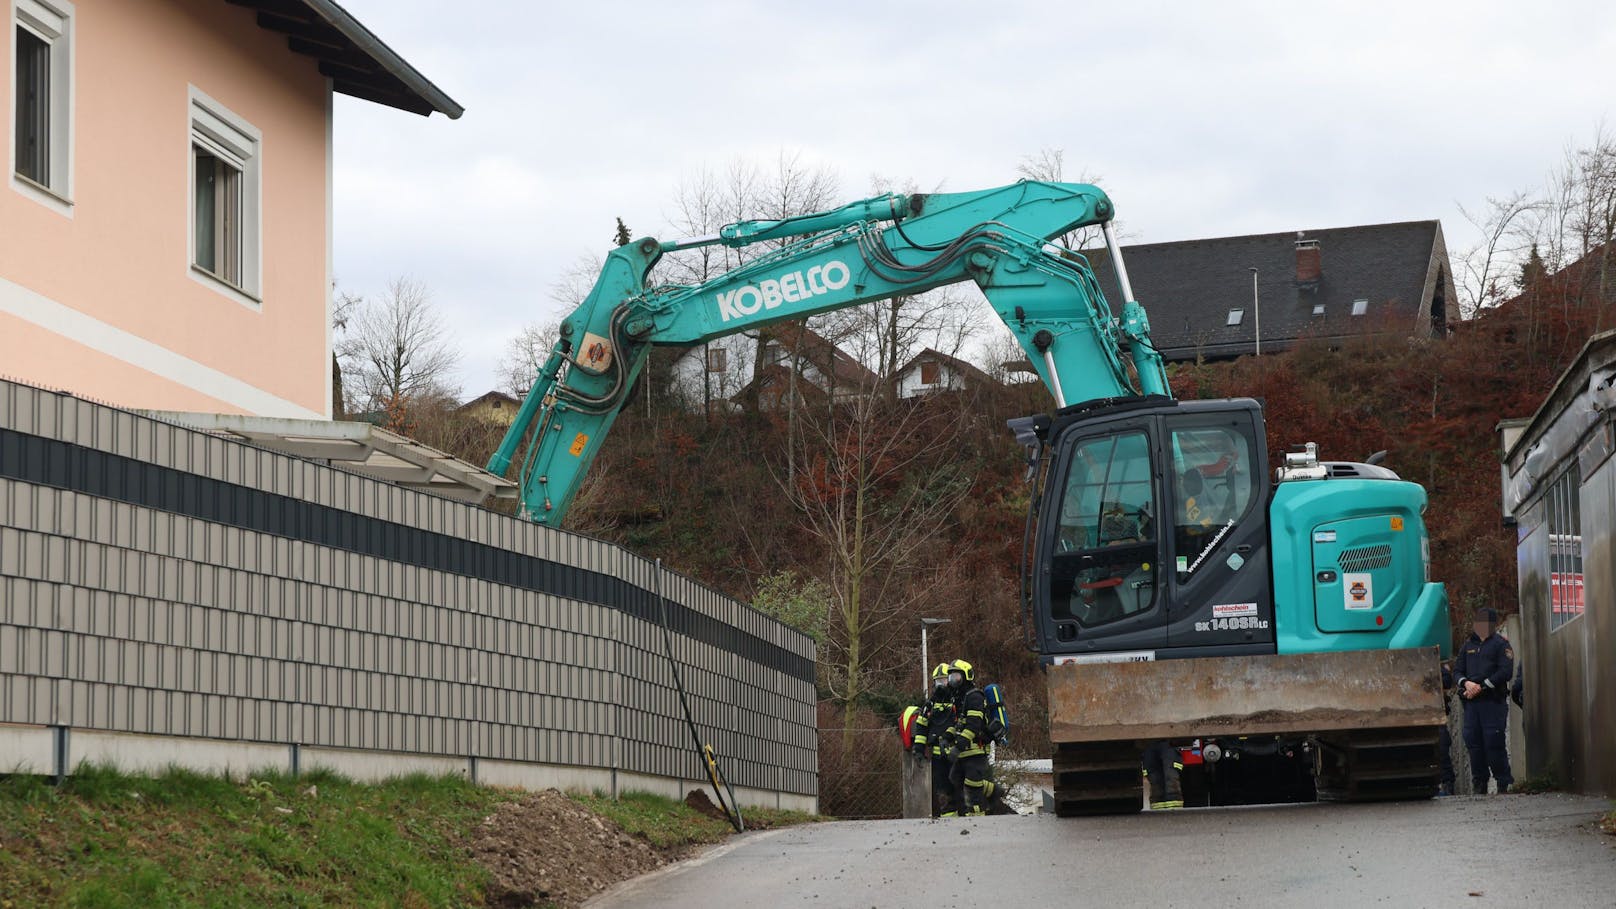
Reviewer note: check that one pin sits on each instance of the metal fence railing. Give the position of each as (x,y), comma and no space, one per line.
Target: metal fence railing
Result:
(860,773)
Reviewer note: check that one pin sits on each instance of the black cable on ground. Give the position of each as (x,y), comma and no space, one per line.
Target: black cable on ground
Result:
(732,808)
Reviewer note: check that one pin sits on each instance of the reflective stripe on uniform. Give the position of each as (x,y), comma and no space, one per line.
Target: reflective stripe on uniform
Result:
(1158,806)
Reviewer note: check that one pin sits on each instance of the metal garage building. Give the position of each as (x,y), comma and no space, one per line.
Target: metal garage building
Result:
(1560,492)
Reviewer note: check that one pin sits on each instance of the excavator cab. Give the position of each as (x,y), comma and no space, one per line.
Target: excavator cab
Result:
(1154,538)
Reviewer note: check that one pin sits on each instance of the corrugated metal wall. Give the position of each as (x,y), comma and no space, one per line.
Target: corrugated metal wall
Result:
(1566,577)
(158,580)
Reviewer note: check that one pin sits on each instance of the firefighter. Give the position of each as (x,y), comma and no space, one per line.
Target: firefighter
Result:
(968,741)
(1163,764)
(931,730)
(1482,672)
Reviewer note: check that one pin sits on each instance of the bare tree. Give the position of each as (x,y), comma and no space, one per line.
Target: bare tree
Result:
(343,306)
(875,483)
(399,347)
(1049,165)
(1486,266)
(577,280)
(1578,220)
(526,354)
(703,204)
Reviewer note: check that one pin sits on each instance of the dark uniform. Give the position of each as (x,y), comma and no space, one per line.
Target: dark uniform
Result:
(970,741)
(931,734)
(1490,663)
(1163,764)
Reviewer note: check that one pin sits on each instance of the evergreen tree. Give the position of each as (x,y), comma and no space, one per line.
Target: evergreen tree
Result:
(1532,270)
(623,233)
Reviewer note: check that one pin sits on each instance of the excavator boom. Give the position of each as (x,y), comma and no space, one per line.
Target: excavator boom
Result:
(878,248)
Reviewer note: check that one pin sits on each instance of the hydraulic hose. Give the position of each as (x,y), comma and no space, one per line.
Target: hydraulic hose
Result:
(732,809)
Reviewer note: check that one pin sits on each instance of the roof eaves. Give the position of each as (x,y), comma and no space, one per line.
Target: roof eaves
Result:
(413,92)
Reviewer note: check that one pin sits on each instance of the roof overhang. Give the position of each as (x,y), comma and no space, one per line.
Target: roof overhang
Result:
(357,447)
(358,63)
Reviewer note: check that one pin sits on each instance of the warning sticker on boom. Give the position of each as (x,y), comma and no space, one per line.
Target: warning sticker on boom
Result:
(1359,590)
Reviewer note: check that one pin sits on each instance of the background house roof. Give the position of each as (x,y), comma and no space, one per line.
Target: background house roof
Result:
(959,366)
(490,398)
(358,63)
(801,342)
(1189,287)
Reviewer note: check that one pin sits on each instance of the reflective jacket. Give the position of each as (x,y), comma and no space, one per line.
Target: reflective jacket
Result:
(970,730)
(1489,663)
(931,727)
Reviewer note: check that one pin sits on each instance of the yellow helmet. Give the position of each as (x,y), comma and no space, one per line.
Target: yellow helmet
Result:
(963,668)
(941,672)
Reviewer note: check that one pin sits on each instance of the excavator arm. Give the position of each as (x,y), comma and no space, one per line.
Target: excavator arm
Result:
(888,246)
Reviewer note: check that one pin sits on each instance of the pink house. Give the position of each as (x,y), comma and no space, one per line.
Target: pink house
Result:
(165,223)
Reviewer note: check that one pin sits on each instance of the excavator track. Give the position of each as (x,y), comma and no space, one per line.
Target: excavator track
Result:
(1380,765)
(1094,778)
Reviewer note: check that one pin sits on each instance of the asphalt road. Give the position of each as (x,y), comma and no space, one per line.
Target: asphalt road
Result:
(1514,850)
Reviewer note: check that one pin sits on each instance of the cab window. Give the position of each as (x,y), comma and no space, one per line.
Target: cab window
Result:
(1214,487)
(1105,540)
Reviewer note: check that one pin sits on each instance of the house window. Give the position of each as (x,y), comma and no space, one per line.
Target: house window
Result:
(1236,316)
(1318,309)
(1359,307)
(717,359)
(931,372)
(42,116)
(1563,503)
(225,195)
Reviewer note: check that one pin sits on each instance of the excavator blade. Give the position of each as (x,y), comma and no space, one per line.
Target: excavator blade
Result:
(1245,695)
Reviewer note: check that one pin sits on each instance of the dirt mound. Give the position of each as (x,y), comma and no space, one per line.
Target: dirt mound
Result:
(546,848)
(696,800)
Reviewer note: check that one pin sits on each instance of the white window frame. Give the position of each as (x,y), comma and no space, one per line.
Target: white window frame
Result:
(223,133)
(1360,307)
(1237,316)
(52,22)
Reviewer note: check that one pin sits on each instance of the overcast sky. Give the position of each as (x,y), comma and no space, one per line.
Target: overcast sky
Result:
(1200,119)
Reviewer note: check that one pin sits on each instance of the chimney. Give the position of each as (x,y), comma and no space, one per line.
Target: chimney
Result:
(1309,260)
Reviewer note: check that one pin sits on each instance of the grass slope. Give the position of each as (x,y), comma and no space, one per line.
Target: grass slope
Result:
(105,839)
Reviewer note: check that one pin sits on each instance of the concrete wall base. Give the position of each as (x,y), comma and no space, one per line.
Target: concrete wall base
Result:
(27,749)
(34,749)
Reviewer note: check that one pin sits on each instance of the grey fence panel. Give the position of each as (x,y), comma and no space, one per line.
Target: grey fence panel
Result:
(162,581)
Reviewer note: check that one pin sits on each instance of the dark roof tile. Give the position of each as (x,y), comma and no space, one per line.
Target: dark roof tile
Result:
(1189,287)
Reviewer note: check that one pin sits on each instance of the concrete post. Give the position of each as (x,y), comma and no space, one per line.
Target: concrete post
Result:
(916,773)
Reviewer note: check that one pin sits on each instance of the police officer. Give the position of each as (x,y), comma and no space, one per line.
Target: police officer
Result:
(931,731)
(1482,672)
(969,739)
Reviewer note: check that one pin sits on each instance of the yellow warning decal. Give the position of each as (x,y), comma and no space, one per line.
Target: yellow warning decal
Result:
(582,439)
(1397,523)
